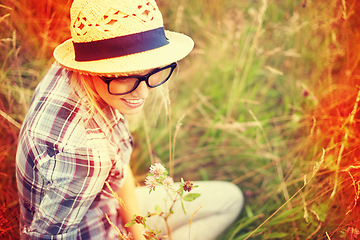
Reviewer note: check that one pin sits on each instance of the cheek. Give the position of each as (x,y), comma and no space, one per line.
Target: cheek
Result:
(100,86)
(102,89)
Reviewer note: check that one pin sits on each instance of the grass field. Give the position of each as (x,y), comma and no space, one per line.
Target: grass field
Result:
(268,99)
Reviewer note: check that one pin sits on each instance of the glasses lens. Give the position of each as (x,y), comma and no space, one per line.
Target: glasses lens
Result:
(123,85)
(160,77)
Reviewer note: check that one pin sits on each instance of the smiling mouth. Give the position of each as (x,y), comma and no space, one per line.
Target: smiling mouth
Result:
(133,102)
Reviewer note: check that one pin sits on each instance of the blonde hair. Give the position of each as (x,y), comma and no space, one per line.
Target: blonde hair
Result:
(83,85)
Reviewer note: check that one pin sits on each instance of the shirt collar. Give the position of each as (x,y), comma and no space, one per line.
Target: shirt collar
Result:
(112,115)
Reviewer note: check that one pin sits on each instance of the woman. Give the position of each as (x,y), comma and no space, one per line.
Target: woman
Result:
(75,138)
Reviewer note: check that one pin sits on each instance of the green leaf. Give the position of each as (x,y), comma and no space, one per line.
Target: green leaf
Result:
(191,197)
(243,224)
(249,211)
(183,207)
(276,235)
(286,216)
(321,210)
(182,181)
(181,187)
(130,224)
(246,235)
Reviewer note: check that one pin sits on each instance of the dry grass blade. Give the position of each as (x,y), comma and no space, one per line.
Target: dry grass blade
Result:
(10,119)
(114,226)
(295,194)
(191,218)
(121,202)
(342,147)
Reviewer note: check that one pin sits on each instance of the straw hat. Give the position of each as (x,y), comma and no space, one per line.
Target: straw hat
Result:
(111,37)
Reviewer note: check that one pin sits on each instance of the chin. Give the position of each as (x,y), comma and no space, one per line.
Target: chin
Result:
(130,111)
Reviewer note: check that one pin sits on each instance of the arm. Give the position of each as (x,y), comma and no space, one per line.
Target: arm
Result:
(127,194)
(63,188)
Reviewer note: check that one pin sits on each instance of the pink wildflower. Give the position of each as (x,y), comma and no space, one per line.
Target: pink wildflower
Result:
(139,219)
(352,233)
(150,235)
(150,182)
(157,170)
(188,186)
(168,181)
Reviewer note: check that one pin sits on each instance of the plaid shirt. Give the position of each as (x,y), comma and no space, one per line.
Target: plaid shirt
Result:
(64,157)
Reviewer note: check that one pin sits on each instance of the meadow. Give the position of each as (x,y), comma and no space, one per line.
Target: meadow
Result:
(268,99)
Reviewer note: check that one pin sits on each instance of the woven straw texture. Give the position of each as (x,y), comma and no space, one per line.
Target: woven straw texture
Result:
(94,20)
(98,20)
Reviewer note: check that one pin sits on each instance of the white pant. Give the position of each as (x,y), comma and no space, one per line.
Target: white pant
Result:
(220,202)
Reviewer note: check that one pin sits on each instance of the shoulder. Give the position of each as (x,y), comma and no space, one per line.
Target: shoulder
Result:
(56,113)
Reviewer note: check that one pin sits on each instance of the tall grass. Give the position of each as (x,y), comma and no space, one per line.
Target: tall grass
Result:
(28,32)
(269,93)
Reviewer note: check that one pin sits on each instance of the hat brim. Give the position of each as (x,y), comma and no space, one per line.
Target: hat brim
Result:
(179,46)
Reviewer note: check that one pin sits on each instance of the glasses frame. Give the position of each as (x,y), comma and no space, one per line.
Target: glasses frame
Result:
(140,78)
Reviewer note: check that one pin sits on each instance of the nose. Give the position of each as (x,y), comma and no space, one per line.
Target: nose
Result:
(142,91)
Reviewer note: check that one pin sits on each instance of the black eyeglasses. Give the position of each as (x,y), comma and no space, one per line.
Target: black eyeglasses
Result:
(127,84)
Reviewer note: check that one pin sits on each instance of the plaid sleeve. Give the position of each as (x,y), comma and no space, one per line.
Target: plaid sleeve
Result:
(73,178)
(63,158)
